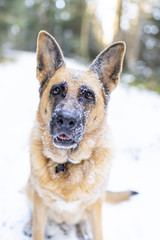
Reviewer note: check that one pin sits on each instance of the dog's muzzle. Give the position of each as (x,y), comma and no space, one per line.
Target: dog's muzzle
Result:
(66,128)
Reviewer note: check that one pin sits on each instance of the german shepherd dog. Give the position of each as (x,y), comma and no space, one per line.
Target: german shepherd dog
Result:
(71,150)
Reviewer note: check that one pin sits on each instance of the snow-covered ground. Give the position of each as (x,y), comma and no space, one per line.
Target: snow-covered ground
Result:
(134,117)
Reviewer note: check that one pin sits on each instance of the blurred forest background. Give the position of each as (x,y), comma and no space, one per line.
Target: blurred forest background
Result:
(84,27)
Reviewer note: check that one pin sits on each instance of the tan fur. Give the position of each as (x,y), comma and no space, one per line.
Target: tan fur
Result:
(95,219)
(78,192)
(116,197)
(39,217)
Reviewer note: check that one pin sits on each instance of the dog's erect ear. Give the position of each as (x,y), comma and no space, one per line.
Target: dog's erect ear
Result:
(49,56)
(108,65)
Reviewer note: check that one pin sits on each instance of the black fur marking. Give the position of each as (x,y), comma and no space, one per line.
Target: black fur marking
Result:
(115,72)
(58,58)
(63,229)
(60,168)
(107,93)
(45,111)
(81,95)
(55,51)
(43,84)
(63,86)
(134,193)
(40,63)
(106,89)
(96,66)
(95,119)
(49,236)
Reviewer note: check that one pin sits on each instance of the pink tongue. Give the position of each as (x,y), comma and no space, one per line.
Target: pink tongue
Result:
(64,137)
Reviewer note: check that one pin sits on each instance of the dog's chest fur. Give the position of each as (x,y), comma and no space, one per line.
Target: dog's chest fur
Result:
(70,211)
(68,194)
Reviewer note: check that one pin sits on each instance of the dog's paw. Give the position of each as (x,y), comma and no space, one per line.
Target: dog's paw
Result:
(65,229)
(50,230)
(49,237)
(83,231)
(54,230)
(28,229)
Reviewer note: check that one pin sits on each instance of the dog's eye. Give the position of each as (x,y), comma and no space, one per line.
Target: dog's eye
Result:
(89,95)
(56,90)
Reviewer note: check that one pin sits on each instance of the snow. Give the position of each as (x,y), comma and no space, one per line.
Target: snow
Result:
(134,117)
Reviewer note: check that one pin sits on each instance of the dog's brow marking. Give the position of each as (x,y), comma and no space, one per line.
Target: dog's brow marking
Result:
(85,87)
(63,85)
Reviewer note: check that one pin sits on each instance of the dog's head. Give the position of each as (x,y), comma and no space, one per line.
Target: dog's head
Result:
(72,102)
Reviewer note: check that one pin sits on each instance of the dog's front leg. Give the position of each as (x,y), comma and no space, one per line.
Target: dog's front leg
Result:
(95,220)
(39,218)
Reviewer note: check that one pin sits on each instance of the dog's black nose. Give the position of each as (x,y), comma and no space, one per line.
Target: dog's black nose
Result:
(66,120)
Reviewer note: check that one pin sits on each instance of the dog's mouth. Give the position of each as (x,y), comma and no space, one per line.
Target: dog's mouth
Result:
(63,137)
(64,141)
